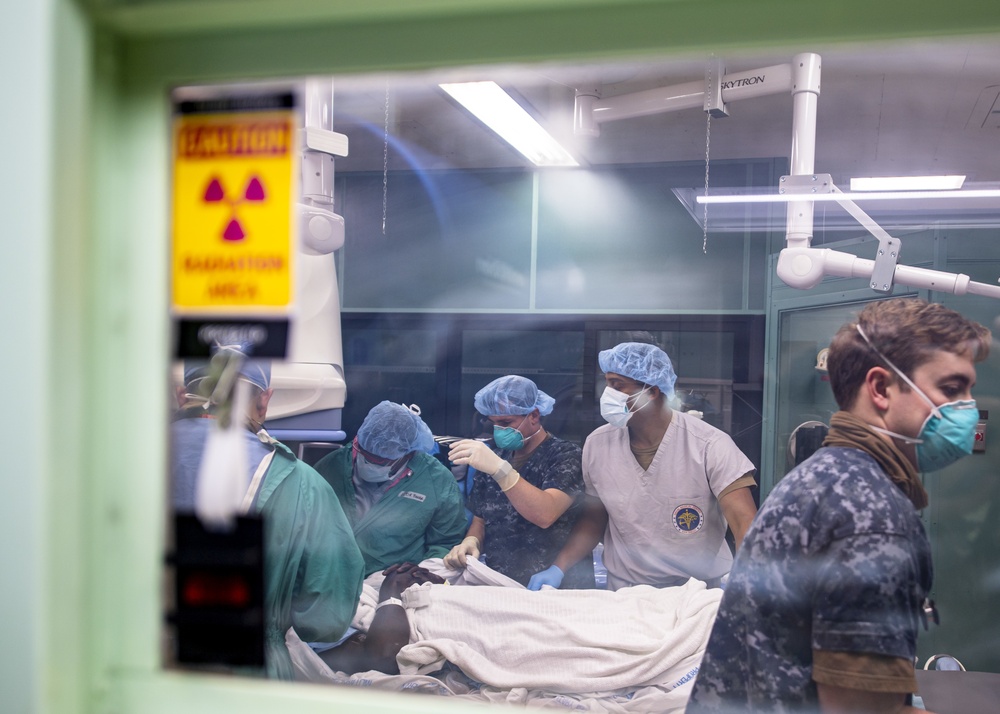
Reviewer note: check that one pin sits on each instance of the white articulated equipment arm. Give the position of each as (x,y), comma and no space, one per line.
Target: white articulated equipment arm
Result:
(802,266)
(799,264)
(590,110)
(309,389)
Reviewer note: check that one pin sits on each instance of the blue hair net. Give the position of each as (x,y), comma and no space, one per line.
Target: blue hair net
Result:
(512,395)
(392,430)
(642,362)
(255,371)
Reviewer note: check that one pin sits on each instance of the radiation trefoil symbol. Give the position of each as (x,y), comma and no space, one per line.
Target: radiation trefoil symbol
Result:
(215,193)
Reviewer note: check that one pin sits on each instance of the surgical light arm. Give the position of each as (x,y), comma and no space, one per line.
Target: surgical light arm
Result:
(799,264)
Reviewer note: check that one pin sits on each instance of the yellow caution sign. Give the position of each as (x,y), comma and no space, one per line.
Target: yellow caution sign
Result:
(233,196)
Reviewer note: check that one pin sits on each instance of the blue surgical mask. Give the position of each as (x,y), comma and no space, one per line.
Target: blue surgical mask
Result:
(947,434)
(509,438)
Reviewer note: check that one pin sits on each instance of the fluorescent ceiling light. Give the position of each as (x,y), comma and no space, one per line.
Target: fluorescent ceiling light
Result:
(498,110)
(831,218)
(849,195)
(907,183)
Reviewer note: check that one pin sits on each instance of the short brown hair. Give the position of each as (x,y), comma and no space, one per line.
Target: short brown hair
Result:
(907,331)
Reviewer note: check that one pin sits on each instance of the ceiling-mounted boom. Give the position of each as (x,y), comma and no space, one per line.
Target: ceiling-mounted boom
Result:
(799,264)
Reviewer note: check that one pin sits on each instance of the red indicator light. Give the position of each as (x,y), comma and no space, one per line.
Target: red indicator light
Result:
(215,590)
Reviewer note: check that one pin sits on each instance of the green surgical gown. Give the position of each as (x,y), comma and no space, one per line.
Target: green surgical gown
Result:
(422,516)
(314,569)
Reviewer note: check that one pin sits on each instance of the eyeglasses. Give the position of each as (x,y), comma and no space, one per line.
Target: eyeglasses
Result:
(371,458)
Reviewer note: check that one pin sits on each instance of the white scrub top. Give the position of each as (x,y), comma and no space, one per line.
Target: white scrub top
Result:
(664,523)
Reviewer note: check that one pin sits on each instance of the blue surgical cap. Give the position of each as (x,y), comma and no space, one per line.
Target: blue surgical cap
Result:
(642,362)
(255,371)
(392,430)
(512,395)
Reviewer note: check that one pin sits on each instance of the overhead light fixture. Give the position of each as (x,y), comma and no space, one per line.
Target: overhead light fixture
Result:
(907,183)
(848,196)
(738,215)
(498,110)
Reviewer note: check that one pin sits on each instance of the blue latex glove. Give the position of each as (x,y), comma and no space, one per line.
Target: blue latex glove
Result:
(553,575)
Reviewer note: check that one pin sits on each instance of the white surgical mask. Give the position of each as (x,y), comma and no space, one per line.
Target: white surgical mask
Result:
(614,406)
(372,473)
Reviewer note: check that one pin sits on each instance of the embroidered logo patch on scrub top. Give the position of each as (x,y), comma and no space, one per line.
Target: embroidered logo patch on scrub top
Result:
(688,518)
(413,496)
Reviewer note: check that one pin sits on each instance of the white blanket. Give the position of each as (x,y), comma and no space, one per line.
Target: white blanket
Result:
(474,574)
(569,641)
(634,650)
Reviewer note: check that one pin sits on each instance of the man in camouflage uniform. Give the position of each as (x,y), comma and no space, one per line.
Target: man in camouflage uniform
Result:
(822,606)
(526,495)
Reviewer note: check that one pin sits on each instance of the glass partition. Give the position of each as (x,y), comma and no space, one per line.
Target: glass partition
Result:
(804,395)
(463,261)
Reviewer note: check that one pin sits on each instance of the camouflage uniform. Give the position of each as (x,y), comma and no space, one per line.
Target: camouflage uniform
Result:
(836,560)
(516,547)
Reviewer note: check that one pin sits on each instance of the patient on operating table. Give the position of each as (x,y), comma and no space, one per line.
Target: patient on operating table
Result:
(503,640)
(389,630)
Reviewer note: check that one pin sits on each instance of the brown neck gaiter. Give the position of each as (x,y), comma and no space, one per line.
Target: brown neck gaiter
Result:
(847,430)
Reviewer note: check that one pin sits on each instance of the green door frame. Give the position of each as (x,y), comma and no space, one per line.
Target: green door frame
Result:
(121,60)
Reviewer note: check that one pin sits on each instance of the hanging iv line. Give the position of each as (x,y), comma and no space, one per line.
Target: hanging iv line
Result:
(713,107)
(385,160)
(704,214)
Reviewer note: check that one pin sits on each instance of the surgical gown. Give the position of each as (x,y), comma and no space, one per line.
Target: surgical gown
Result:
(312,566)
(422,516)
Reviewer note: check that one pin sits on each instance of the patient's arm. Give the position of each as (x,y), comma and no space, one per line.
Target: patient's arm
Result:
(586,534)
(389,630)
(374,650)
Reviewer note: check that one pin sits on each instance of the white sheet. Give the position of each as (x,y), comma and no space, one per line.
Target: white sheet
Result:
(634,650)
(475,573)
(571,641)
